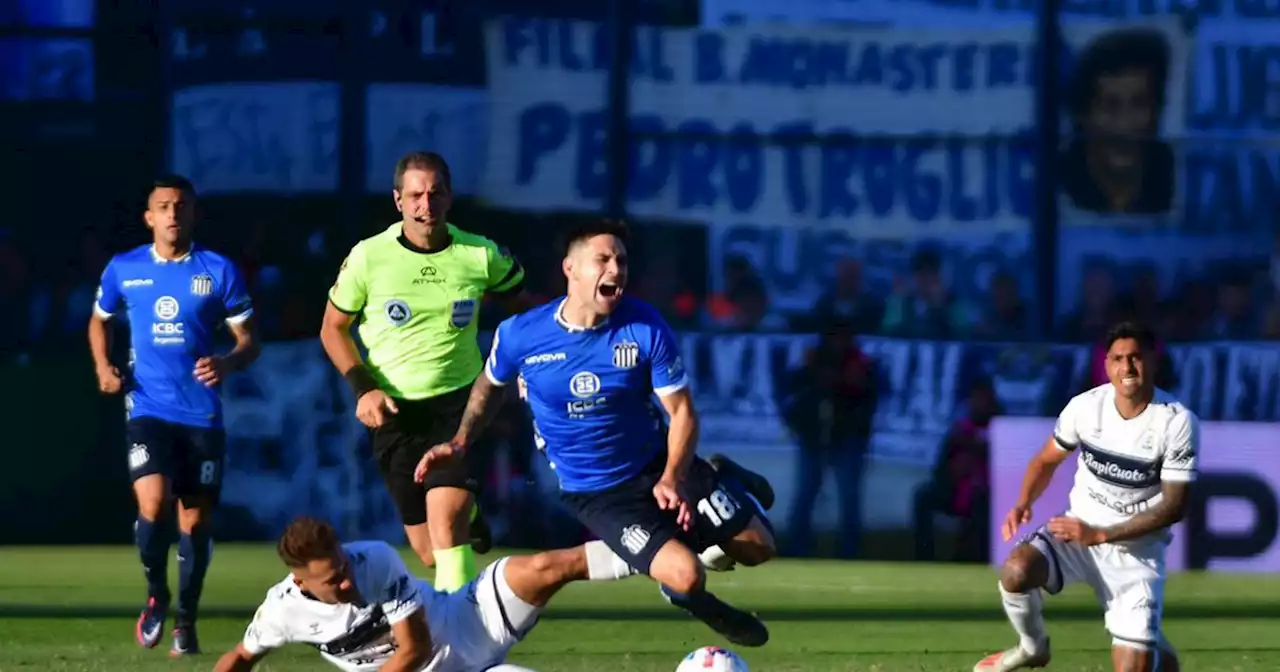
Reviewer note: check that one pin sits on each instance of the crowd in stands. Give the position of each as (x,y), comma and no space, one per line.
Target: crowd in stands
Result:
(48,296)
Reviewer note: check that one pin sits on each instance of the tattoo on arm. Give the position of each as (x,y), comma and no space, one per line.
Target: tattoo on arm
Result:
(484,402)
(1170,510)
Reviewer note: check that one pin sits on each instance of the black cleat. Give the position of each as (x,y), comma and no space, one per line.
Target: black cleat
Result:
(755,484)
(481,535)
(185,642)
(735,625)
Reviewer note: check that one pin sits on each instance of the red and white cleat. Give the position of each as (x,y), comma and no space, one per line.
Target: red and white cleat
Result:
(1016,658)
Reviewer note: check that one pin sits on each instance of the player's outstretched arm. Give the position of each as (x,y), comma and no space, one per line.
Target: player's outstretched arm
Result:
(1041,469)
(486,398)
(682,433)
(238,659)
(413,644)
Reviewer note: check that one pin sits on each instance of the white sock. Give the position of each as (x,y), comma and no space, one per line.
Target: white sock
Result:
(715,559)
(603,564)
(1026,613)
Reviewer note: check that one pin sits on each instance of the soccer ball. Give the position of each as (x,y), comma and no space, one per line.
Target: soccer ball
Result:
(712,659)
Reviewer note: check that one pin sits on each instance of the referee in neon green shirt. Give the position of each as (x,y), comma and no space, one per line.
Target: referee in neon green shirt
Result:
(416,289)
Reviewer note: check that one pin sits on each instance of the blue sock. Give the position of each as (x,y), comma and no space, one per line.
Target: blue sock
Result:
(153,550)
(694,600)
(194,553)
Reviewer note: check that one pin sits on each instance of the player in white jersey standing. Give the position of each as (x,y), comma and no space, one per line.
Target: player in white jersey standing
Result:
(358,605)
(1137,451)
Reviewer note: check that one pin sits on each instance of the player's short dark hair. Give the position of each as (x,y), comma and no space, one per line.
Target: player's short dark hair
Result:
(423,161)
(172,181)
(596,227)
(1137,331)
(307,539)
(1115,52)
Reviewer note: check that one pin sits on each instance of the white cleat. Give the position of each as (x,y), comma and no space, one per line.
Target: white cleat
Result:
(1016,658)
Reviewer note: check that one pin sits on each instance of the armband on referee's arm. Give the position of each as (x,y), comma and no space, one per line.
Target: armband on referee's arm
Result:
(361,381)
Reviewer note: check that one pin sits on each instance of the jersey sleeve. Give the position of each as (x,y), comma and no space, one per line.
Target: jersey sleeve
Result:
(666,369)
(235,295)
(1066,432)
(109,299)
(399,594)
(351,290)
(506,275)
(266,631)
(1182,448)
(503,364)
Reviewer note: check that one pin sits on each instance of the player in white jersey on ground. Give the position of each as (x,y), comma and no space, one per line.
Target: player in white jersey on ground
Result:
(1137,457)
(358,605)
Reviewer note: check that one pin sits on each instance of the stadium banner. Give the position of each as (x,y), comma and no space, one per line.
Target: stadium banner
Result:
(796,146)
(1232,522)
(1226,180)
(718,13)
(257,137)
(452,121)
(924,131)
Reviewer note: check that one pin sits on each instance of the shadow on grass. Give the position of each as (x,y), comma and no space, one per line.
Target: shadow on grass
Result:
(779,614)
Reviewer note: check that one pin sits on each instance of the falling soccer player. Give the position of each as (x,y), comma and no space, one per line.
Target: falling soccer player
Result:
(358,605)
(591,363)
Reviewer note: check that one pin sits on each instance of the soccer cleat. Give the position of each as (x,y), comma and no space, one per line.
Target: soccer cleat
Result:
(150,624)
(481,535)
(185,641)
(735,625)
(755,484)
(1016,658)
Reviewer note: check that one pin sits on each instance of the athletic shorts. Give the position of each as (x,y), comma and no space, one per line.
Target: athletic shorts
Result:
(627,517)
(1128,580)
(189,457)
(401,442)
(476,626)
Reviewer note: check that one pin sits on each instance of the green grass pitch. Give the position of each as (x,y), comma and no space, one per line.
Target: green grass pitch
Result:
(74,609)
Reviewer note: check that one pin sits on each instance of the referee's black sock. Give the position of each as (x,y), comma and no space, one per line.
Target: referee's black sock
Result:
(153,550)
(194,553)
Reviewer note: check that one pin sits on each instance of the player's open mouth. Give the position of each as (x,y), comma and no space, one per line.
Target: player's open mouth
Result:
(1130,381)
(610,290)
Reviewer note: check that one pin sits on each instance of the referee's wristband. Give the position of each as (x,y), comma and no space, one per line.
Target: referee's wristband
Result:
(360,380)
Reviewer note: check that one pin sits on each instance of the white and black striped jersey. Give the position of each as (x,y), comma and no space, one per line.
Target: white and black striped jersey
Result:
(354,637)
(1122,463)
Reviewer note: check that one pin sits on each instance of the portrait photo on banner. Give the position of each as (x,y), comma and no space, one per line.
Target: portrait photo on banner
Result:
(1122,96)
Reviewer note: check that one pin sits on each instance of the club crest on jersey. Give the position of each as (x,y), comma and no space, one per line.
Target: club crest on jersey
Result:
(202,285)
(166,308)
(584,385)
(397,312)
(626,355)
(462,314)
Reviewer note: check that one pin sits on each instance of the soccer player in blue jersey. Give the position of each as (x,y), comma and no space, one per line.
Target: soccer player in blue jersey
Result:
(175,296)
(591,363)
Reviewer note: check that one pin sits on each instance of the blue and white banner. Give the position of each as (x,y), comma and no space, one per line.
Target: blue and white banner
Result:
(924,130)
(278,137)
(1228,163)
(294,445)
(451,121)
(716,13)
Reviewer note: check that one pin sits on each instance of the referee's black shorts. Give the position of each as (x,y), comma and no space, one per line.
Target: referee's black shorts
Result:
(406,436)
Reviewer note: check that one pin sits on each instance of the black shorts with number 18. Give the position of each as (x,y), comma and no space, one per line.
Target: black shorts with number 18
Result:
(627,518)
